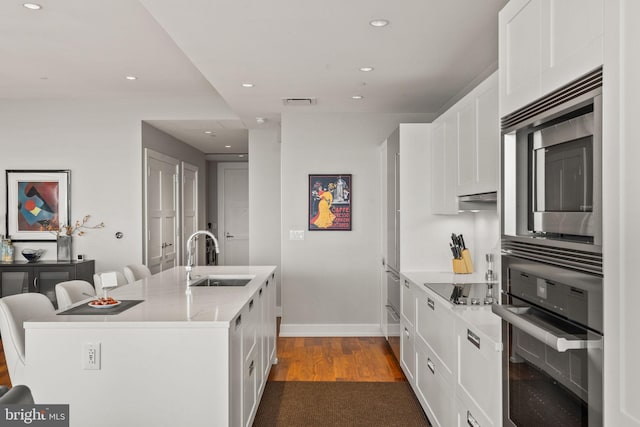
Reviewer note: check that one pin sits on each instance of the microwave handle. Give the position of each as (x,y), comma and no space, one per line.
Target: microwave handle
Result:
(513,315)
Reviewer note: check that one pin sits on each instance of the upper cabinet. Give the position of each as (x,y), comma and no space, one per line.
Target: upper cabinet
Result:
(479,139)
(465,148)
(545,44)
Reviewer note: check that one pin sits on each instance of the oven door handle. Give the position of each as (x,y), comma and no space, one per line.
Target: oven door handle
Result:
(513,315)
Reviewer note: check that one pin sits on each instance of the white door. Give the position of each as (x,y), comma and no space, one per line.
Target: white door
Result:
(189,204)
(233,213)
(161,208)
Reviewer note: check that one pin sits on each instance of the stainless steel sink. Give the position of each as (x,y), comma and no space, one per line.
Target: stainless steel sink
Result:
(213,281)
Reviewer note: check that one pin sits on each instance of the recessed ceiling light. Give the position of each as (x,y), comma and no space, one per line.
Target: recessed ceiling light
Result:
(208,132)
(240,155)
(32,6)
(247,84)
(260,120)
(379,23)
(357,97)
(131,78)
(366,69)
(227,146)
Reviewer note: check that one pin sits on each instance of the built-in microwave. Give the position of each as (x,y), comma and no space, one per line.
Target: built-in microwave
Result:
(552,172)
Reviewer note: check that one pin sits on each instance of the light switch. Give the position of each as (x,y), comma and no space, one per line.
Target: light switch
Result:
(296,234)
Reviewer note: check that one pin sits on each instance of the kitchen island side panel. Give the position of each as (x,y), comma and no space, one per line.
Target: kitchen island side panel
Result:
(147,376)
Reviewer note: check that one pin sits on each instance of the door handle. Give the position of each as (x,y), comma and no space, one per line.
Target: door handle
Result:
(229,236)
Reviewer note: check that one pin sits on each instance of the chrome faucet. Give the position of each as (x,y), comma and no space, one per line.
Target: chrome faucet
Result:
(190,241)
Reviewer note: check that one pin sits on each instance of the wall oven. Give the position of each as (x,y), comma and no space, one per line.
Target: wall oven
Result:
(553,358)
(552,166)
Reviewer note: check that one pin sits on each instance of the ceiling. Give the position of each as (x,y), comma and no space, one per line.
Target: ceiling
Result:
(430,54)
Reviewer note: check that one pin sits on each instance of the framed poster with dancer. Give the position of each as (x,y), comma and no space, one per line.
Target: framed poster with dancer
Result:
(36,201)
(330,205)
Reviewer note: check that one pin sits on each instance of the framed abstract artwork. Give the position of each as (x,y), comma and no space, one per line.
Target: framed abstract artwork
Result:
(330,202)
(37,199)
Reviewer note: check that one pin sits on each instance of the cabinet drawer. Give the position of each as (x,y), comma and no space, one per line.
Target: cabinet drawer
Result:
(435,324)
(407,351)
(250,321)
(479,371)
(434,390)
(408,302)
(468,415)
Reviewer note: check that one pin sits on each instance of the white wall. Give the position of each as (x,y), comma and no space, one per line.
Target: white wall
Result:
(330,280)
(264,199)
(100,142)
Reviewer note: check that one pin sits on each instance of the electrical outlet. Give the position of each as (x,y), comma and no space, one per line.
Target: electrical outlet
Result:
(91,356)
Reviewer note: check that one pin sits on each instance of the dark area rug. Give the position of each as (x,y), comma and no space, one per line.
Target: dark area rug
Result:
(324,404)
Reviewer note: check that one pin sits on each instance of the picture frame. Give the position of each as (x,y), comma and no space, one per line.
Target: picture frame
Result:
(37,199)
(330,202)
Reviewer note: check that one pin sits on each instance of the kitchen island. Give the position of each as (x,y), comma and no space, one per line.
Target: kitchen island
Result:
(185,355)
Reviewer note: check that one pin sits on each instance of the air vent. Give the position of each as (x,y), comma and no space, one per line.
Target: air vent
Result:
(589,262)
(588,83)
(299,102)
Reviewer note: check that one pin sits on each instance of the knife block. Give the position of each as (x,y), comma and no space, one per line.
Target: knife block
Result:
(463,265)
(458,266)
(466,257)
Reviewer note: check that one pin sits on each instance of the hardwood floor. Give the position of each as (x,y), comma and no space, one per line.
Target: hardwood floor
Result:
(4,373)
(319,359)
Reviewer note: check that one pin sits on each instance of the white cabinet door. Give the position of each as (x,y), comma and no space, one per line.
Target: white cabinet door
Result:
(235,371)
(438,168)
(572,40)
(435,325)
(545,44)
(479,371)
(408,302)
(466,147)
(519,53)
(487,159)
(433,390)
(407,351)
(450,163)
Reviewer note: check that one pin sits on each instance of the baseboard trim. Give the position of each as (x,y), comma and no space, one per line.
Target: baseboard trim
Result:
(331,330)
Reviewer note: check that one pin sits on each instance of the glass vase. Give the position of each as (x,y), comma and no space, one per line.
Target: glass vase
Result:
(64,248)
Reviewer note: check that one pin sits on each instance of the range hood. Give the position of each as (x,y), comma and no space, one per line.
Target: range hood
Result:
(478,202)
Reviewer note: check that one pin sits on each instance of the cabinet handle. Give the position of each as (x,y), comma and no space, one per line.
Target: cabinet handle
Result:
(260,292)
(406,332)
(35,283)
(473,338)
(472,421)
(238,320)
(431,366)
(251,368)
(406,284)
(267,283)
(431,303)
(250,304)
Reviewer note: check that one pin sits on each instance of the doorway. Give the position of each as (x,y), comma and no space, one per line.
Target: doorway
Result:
(233,213)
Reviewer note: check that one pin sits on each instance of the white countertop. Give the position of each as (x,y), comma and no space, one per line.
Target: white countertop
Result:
(166,302)
(480,316)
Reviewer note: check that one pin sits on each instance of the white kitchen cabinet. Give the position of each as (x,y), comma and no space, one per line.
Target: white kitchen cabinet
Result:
(434,389)
(478,139)
(478,379)
(435,325)
(407,351)
(444,164)
(545,44)
(408,302)
(235,372)
(469,415)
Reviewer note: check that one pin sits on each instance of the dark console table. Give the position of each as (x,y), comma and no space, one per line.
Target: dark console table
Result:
(42,276)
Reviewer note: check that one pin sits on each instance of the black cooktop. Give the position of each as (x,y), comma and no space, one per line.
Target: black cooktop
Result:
(462,293)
